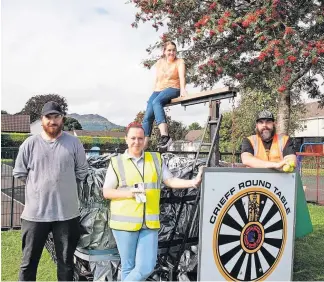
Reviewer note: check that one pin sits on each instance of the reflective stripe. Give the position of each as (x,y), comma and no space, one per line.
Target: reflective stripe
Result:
(152,217)
(158,167)
(151,185)
(280,142)
(125,218)
(121,170)
(256,145)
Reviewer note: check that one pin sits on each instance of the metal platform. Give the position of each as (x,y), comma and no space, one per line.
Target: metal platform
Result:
(205,96)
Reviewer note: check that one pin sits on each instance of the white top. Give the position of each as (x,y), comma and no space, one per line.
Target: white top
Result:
(111,180)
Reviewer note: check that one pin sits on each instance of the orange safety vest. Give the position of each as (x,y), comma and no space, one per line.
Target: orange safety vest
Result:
(275,154)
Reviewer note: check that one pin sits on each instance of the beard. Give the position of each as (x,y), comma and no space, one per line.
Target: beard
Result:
(53,130)
(266,134)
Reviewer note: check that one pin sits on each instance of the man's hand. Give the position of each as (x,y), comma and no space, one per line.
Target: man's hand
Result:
(278,165)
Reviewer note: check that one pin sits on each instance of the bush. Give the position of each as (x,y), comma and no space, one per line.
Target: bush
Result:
(105,143)
(13,139)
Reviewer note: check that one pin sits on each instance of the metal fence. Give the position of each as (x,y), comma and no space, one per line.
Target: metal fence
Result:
(13,190)
(311,167)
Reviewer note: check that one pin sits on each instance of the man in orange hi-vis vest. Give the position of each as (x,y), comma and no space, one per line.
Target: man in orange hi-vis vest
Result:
(267,149)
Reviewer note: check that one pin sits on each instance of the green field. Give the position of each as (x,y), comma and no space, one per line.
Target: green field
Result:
(11,256)
(309,258)
(308,262)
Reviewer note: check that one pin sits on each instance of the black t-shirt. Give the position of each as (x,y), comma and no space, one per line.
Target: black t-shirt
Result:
(289,149)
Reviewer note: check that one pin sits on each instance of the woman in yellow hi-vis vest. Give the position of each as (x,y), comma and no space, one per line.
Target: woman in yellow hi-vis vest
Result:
(133,183)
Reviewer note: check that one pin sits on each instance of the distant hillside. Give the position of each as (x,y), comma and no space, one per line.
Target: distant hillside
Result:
(95,122)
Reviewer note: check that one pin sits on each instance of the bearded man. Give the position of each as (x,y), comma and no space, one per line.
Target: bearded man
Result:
(50,164)
(267,149)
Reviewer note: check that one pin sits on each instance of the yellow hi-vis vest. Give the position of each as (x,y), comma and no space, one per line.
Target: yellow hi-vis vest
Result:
(275,154)
(127,214)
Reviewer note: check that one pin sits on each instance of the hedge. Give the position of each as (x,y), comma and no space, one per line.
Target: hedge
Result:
(13,139)
(16,139)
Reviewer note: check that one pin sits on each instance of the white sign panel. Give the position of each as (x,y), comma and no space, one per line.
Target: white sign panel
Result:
(247,223)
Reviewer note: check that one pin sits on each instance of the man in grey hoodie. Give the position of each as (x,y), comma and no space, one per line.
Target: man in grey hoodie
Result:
(50,164)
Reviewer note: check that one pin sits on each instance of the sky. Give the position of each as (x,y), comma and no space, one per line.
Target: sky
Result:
(83,50)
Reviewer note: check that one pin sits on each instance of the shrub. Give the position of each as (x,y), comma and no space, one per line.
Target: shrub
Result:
(13,139)
(105,143)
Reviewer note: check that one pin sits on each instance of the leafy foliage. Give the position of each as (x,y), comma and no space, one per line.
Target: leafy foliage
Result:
(3,112)
(71,124)
(13,139)
(194,126)
(109,143)
(270,46)
(34,105)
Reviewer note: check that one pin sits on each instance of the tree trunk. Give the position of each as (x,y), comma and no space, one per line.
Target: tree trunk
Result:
(283,113)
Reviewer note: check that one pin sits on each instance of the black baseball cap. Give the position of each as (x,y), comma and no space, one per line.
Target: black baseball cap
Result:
(265,114)
(51,107)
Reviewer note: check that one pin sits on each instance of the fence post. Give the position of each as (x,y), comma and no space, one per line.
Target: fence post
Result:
(12,202)
(317,177)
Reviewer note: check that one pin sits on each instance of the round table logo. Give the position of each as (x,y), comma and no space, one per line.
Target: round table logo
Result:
(250,235)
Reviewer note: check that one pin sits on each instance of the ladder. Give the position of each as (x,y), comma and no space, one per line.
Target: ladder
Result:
(194,212)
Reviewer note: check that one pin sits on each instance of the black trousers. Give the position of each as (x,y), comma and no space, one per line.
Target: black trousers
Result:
(34,234)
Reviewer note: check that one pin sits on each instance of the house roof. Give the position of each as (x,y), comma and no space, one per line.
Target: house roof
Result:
(15,123)
(102,133)
(193,135)
(313,111)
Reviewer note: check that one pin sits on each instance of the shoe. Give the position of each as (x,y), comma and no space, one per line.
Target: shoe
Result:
(165,141)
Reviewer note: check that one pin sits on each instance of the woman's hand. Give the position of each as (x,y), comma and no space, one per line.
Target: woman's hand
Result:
(133,191)
(197,180)
(183,93)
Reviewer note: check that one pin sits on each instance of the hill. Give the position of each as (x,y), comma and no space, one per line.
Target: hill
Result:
(95,122)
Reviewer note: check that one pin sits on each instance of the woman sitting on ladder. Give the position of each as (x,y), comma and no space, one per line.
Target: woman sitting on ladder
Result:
(170,83)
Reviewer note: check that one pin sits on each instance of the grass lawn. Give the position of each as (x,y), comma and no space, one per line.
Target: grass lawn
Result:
(11,257)
(309,257)
(308,263)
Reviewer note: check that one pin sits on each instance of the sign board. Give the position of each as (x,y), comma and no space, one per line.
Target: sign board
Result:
(247,222)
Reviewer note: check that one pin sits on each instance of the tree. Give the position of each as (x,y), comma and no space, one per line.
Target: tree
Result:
(177,130)
(71,124)
(33,106)
(225,133)
(271,46)
(194,126)
(3,112)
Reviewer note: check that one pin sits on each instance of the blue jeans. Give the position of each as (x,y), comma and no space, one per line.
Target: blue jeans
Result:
(138,253)
(155,109)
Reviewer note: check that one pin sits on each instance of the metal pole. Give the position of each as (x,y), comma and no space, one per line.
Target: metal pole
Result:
(214,114)
(12,196)
(317,177)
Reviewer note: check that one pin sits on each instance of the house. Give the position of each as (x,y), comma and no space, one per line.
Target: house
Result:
(313,121)
(190,142)
(36,127)
(15,124)
(313,129)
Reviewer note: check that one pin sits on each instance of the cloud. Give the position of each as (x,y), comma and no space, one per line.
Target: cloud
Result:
(83,50)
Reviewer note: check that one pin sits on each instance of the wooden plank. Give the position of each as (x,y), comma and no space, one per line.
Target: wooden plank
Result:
(210,94)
